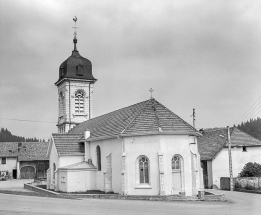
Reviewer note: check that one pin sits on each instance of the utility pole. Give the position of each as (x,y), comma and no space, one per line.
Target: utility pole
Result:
(230,160)
(194,116)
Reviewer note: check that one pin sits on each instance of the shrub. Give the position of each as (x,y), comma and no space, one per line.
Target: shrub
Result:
(251,170)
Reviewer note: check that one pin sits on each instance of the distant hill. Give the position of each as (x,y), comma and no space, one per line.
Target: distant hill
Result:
(252,127)
(7,136)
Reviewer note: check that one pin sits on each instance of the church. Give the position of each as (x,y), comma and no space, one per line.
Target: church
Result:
(142,149)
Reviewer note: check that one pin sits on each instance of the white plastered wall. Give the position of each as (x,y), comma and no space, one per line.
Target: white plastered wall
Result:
(220,164)
(70,159)
(150,146)
(113,147)
(53,158)
(11,163)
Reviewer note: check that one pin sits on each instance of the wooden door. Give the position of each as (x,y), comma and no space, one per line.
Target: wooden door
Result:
(27,172)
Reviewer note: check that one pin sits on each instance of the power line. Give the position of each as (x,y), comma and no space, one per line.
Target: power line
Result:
(248,110)
(25,120)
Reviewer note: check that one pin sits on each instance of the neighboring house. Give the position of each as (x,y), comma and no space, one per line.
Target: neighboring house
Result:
(143,149)
(213,149)
(24,159)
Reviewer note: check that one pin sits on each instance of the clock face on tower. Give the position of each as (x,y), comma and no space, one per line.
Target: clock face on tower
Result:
(79,94)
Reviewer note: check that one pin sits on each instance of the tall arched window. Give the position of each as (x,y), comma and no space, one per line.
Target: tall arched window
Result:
(177,174)
(54,168)
(79,101)
(143,163)
(176,163)
(98,151)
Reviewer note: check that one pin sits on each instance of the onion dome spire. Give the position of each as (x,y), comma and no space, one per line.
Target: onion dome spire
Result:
(75,34)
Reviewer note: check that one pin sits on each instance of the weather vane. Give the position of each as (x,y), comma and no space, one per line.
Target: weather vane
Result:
(75,32)
(151,91)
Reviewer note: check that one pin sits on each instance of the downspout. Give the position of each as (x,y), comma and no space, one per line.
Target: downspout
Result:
(122,144)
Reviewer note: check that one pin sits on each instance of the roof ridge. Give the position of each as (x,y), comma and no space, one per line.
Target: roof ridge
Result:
(142,110)
(177,116)
(95,118)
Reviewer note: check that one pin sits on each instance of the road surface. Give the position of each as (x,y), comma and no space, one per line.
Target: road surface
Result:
(239,203)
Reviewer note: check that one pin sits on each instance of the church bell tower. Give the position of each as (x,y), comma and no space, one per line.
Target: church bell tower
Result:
(75,88)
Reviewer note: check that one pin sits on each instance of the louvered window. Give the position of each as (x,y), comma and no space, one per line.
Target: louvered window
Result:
(79,101)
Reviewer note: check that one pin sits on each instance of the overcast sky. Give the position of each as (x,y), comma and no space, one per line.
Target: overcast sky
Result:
(194,54)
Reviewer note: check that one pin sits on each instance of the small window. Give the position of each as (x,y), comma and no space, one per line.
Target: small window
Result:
(98,151)
(3,160)
(63,179)
(244,149)
(79,70)
(62,71)
(144,170)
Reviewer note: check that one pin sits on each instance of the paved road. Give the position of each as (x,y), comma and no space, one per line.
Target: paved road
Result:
(15,184)
(239,203)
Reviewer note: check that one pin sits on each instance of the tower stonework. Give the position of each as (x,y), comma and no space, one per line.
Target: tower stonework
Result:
(75,91)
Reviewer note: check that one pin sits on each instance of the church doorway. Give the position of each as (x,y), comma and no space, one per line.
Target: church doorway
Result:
(177,165)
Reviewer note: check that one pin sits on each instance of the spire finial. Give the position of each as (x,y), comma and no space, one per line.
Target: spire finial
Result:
(151,91)
(75,33)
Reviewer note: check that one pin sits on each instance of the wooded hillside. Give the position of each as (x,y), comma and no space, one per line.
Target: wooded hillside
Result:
(7,136)
(252,127)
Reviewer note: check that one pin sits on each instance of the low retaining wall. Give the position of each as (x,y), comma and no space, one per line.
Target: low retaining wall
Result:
(130,197)
(39,190)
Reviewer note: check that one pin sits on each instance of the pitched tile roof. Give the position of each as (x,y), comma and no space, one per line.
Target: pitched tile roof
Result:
(141,118)
(25,151)
(81,165)
(213,140)
(68,143)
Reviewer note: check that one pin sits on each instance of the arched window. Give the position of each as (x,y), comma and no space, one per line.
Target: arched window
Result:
(143,162)
(98,151)
(79,101)
(178,183)
(176,163)
(54,168)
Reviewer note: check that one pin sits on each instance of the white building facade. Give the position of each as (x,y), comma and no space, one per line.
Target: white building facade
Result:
(143,149)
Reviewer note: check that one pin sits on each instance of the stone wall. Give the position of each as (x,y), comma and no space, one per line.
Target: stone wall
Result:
(248,183)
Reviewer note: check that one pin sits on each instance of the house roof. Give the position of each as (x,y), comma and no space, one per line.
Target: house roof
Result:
(213,140)
(25,151)
(68,143)
(81,165)
(149,116)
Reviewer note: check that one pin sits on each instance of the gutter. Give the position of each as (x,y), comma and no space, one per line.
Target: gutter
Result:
(143,134)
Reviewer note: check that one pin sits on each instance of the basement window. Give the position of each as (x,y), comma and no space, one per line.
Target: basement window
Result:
(244,149)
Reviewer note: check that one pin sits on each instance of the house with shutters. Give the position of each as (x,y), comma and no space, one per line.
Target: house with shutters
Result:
(213,149)
(23,160)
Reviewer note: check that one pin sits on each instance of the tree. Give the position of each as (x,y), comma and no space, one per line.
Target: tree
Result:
(7,136)
(251,127)
(251,170)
